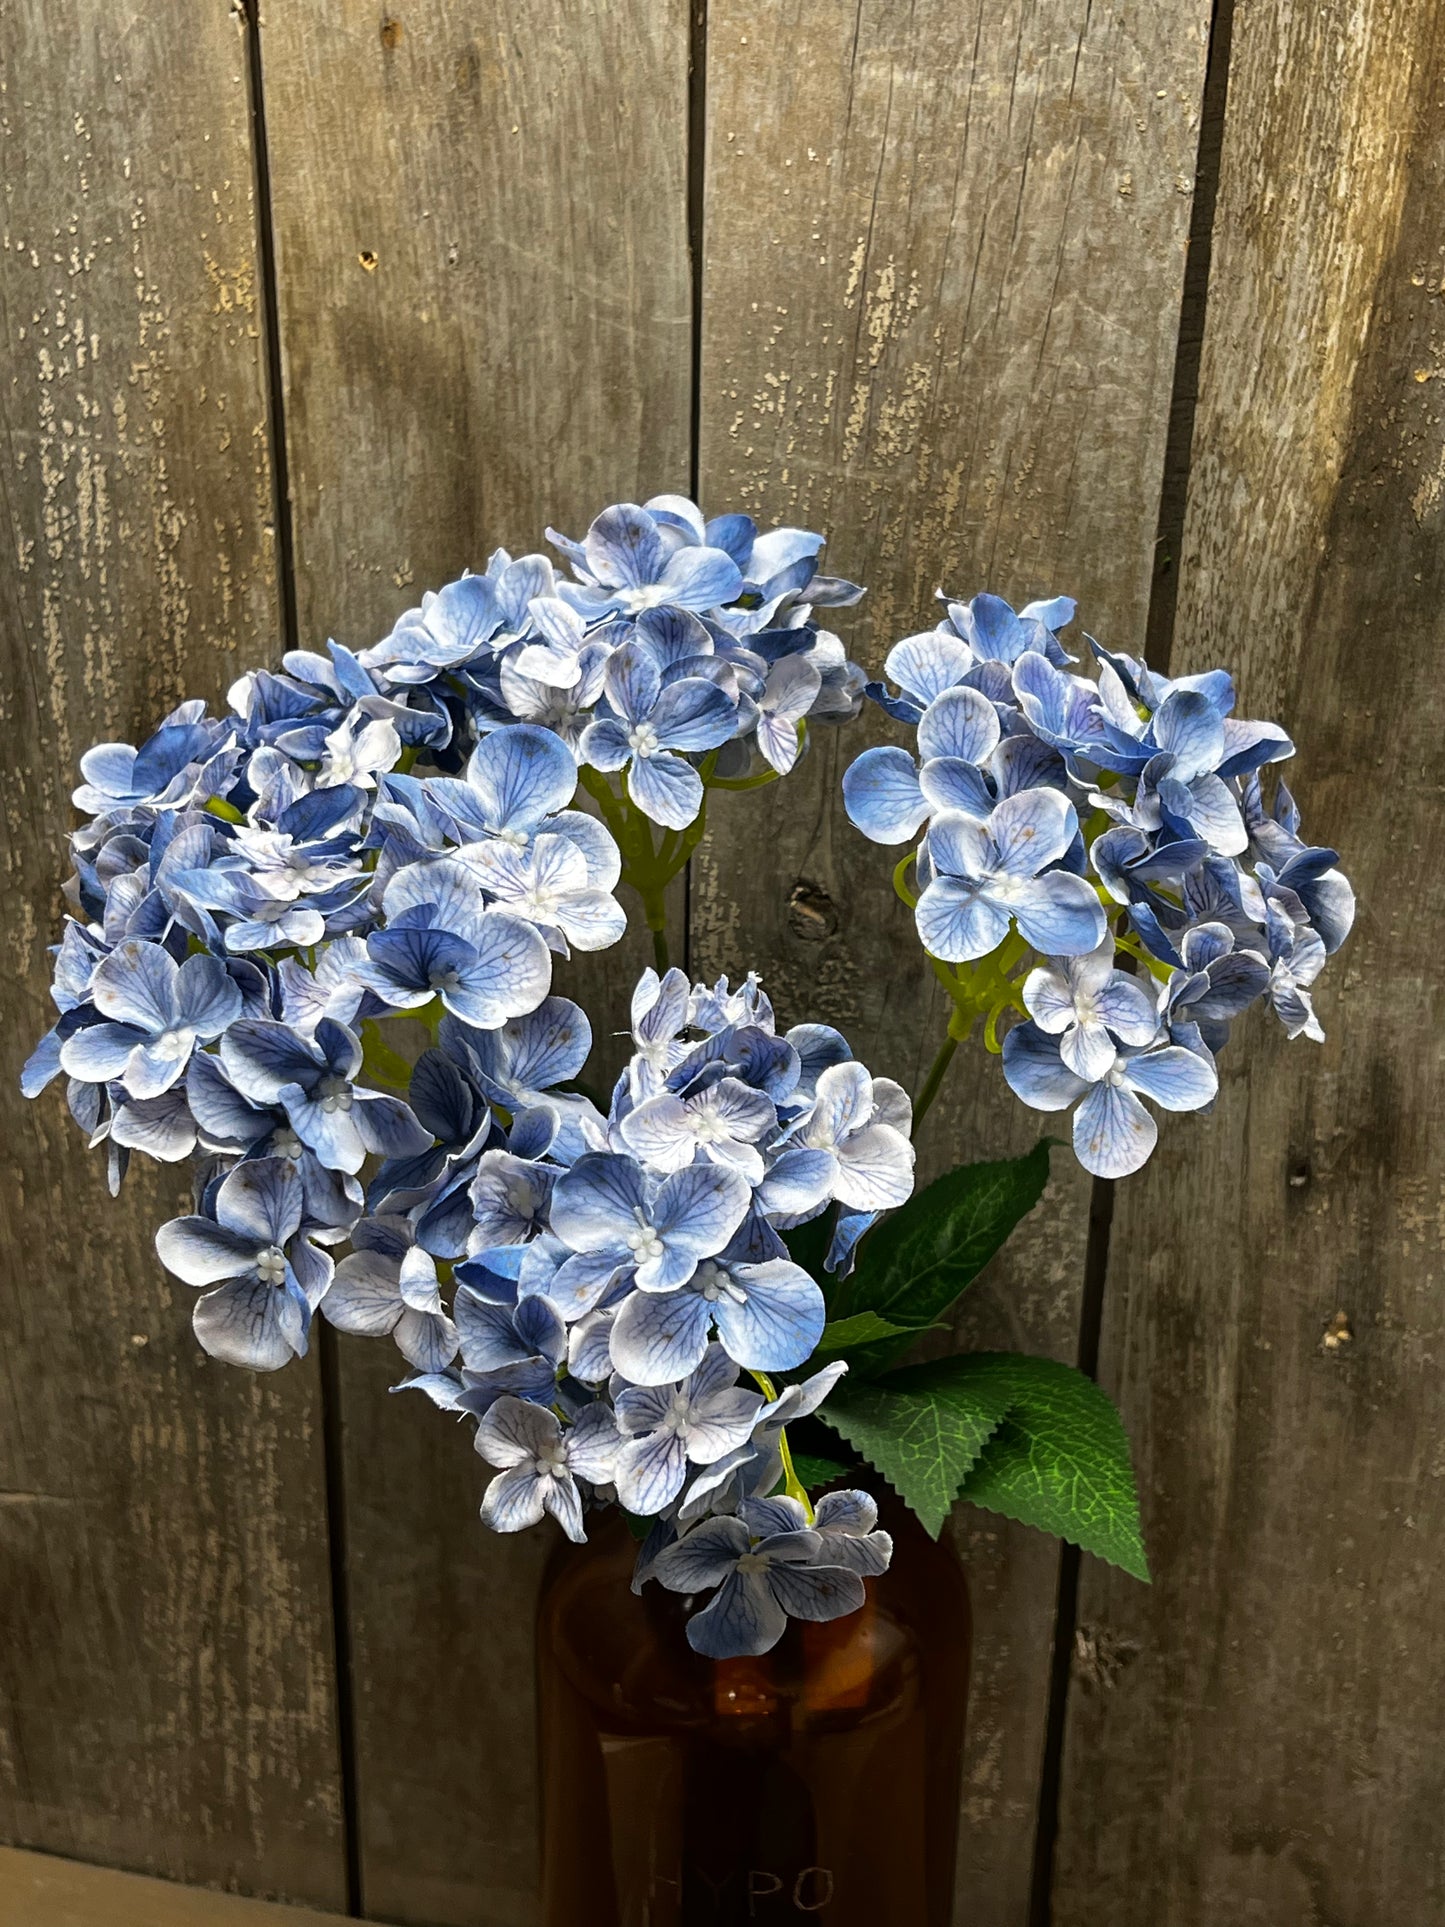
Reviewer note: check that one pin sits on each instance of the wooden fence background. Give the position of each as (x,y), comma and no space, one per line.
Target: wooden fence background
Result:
(306,311)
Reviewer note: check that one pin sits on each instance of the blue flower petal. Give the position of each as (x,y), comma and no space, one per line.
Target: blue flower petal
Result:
(522,775)
(700,578)
(925,665)
(98,1052)
(958,924)
(693,715)
(960,723)
(816,1592)
(649,1472)
(659,1337)
(703,1557)
(1190,729)
(743,1620)
(633,681)
(1059,914)
(1175,1078)
(623,548)
(249,1323)
(1113,1133)
(666,789)
(780,1320)
(262,1199)
(882,796)
(1036,1073)
(595,1204)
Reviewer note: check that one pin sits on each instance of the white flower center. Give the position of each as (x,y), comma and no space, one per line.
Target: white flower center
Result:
(541,903)
(754,1562)
(643,740)
(679,1415)
(271,1264)
(333,1093)
(551,1462)
(286,1144)
(174,1043)
(713,1281)
(644,1243)
(447,979)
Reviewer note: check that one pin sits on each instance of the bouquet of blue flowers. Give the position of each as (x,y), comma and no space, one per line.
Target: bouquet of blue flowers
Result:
(689,1299)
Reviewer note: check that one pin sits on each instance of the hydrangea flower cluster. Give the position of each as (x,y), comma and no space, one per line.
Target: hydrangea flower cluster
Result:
(613,1278)
(615,1296)
(681,655)
(1094,855)
(394,833)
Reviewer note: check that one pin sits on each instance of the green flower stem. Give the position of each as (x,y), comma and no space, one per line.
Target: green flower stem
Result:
(792,1484)
(933,1083)
(900,882)
(650,859)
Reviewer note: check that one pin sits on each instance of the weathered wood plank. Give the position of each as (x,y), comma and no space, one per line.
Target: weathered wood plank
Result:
(484,286)
(1257,1736)
(166,1689)
(38,1890)
(944,248)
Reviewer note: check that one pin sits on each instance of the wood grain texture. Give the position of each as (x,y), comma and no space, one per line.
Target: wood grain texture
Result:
(166,1689)
(944,248)
(486,325)
(38,1890)
(1257,1736)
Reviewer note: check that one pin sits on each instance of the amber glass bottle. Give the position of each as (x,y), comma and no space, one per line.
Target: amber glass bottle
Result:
(818,1782)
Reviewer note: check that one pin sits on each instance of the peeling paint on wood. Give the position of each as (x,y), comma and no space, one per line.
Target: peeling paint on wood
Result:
(1273,1314)
(936,326)
(166,1691)
(486,325)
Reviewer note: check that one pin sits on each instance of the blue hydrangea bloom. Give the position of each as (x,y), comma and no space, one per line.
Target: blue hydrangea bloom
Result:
(1113,1132)
(607,1292)
(767,1565)
(986,875)
(666,1428)
(153,1013)
(653,727)
(541,1462)
(387,1287)
(260,1277)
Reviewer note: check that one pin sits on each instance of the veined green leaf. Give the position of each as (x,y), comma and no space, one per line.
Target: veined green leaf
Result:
(863,1328)
(922,1430)
(815,1471)
(1060,1459)
(913,1266)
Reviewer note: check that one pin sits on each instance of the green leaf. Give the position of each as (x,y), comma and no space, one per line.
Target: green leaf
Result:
(1060,1460)
(917,1261)
(863,1328)
(922,1429)
(814,1470)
